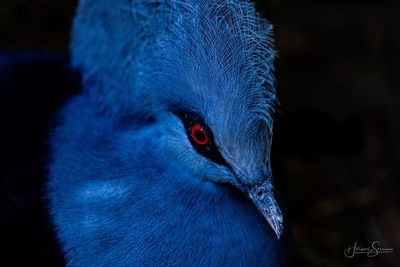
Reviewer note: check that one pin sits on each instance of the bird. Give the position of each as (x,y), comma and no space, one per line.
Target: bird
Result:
(163,158)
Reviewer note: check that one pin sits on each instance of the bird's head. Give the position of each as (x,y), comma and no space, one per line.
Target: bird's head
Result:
(204,68)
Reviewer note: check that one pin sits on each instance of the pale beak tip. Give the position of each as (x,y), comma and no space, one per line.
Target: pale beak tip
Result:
(278,229)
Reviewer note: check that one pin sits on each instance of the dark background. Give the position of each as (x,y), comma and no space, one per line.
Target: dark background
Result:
(336,151)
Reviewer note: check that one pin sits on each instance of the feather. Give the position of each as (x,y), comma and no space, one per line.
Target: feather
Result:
(137,56)
(126,187)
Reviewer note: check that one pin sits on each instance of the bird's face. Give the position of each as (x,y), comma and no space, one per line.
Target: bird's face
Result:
(206,67)
(226,144)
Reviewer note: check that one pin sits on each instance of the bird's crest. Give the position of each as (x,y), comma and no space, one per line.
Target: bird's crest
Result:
(140,56)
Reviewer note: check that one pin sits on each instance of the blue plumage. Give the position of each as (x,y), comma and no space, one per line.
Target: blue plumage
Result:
(132,183)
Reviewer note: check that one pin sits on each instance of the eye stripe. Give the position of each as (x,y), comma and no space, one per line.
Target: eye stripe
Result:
(201,136)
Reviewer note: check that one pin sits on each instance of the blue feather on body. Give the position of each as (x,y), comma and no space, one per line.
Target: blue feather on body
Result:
(125,186)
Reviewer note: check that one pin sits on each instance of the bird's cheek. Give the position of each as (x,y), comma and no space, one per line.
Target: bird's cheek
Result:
(219,175)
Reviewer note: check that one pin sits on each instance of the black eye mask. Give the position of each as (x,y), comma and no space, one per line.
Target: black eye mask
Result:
(201,136)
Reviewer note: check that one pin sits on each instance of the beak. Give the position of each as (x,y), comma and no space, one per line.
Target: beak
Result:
(262,196)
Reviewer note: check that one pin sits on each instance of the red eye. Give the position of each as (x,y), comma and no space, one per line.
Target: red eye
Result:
(199,135)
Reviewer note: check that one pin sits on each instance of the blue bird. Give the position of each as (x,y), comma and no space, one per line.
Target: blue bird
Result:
(164,158)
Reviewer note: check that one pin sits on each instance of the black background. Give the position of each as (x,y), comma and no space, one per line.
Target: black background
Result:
(336,152)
